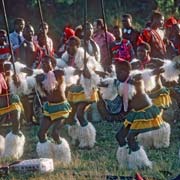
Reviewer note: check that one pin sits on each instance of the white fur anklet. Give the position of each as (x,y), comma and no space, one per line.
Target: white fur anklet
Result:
(2,145)
(159,138)
(73,132)
(14,145)
(45,150)
(138,159)
(62,152)
(87,136)
(122,156)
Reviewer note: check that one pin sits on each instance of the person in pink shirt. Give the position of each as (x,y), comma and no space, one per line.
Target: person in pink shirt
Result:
(100,38)
(48,39)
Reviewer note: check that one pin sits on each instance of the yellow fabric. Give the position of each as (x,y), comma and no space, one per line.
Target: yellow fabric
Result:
(59,103)
(145,123)
(81,97)
(56,115)
(12,107)
(164,100)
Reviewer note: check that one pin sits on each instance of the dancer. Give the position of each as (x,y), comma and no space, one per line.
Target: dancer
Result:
(10,110)
(82,94)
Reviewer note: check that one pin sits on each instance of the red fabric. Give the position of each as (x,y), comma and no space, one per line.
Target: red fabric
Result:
(5,50)
(119,59)
(169,22)
(122,51)
(69,32)
(3,85)
(145,36)
(138,177)
(152,37)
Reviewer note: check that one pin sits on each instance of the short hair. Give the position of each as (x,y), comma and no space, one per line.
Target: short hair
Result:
(17,20)
(127,16)
(28,25)
(100,22)
(155,15)
(124,63)
(51,58)
(2,31)
(145,46)
(43,24)
(76,39)
(78,31)
(87,24)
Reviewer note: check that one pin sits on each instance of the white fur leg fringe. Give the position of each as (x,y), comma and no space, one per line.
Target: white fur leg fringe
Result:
(2,145)
(62,152)
(161,137)
(14,145)
(146,139)
(45,150)
(122,157)
(73,132)
(138,160)
(87,136)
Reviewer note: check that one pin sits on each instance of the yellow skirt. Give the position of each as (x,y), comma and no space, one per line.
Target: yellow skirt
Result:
(147,119)
(161,98)
(76,94)
(14,105)
(56,111)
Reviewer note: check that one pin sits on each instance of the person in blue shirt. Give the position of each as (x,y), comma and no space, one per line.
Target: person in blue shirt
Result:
(16,37)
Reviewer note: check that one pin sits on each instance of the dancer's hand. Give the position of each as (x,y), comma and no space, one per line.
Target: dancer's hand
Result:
(158,71)
(77,72)
(16,80)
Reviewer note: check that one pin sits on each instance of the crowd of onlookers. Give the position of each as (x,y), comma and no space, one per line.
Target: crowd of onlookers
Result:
(159,38)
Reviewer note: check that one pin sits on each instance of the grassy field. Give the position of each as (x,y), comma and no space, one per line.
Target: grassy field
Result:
(101,161)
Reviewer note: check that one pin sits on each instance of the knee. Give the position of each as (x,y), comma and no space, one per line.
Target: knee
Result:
(132,143)
(130,138)
(54,133)
(41,136)
(80,115)
(120,138)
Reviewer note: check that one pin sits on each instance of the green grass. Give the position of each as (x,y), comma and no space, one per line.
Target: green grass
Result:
(101,160)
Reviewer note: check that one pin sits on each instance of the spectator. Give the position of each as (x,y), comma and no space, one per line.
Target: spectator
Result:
(92,47)
(128,31)
(154,36)
(16,37)
(121,48)
(100,38)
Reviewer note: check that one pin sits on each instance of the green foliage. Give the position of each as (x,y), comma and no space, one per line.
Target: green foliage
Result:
(166,6)
(69,2)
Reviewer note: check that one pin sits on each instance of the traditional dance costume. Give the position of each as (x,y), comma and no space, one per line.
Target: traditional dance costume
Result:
(10,110)
(161,98)
(83,91)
